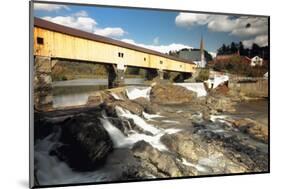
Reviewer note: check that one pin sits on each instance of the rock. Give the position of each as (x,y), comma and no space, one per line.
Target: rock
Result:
(170,94)
(129,105)
(253,128)
(229,153)
(220,104)
(85,143)
(183,144)
(94,100)
(159,163)
(149,107)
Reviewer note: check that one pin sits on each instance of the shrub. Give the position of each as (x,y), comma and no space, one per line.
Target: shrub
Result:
(203,75)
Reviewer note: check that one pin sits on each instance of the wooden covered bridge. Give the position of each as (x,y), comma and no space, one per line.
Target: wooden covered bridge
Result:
(53,42)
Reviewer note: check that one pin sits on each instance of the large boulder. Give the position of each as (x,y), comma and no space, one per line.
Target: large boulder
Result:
(183,144)
(157,162)
(85,143)
(220,104)
(253,128)
(149,107)
(125,104)
(170,94)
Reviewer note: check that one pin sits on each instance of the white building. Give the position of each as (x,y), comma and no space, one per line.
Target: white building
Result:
(256,61)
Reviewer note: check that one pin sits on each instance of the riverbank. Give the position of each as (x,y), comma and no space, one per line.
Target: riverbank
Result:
(160,131)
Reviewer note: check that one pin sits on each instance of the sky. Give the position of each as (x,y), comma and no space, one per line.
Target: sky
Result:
(157,29)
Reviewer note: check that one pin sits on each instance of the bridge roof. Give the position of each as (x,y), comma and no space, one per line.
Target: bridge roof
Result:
(41,23)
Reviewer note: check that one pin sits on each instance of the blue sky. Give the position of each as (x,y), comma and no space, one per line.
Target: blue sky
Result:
(158,30)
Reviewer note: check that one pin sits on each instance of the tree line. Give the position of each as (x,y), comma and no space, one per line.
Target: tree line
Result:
(234,48)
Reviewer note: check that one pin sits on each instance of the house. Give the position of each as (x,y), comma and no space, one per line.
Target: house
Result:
(195,55)
(256,61)
(232,58)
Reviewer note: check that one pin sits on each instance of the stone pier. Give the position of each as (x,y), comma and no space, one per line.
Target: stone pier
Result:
(116,76)
(42,83)
(160,74)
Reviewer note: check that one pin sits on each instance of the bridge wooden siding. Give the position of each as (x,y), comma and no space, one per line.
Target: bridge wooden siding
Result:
(67,43)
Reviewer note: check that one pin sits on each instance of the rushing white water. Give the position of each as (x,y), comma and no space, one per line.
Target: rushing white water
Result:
(170,121)
(199,88)
(137,120)
(150,116)
(134,92)
(120,140)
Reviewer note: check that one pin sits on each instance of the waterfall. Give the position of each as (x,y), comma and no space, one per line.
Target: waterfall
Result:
(116,96)
(120,140)
(199,88)
(137,120)
(150,116)
(134,93)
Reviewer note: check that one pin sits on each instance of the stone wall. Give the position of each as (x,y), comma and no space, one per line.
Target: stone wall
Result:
(256,88)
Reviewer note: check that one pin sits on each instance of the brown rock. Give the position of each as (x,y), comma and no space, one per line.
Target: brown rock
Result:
(220,104)
(94,100)
(184,145)
(253,128)
(156,160)
(170,94)
(149,107)
(130,105)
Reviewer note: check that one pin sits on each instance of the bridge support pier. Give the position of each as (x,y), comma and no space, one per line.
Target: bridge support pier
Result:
(116,76)
(42,83)
(160,74)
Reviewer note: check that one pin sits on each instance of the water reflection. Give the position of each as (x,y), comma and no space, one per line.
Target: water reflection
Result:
(76,92)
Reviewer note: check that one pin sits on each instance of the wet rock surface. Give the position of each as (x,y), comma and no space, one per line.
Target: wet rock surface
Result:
(241,156)
(85,142)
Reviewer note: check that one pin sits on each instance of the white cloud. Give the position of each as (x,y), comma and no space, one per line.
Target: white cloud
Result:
(239,26)
(261,40)
(82,21)
(189,19)
(49,7)
(156,41)
(81,13)
(110,32)
(159,48)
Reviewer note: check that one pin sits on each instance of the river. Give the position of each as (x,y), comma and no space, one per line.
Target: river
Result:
(76,92)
